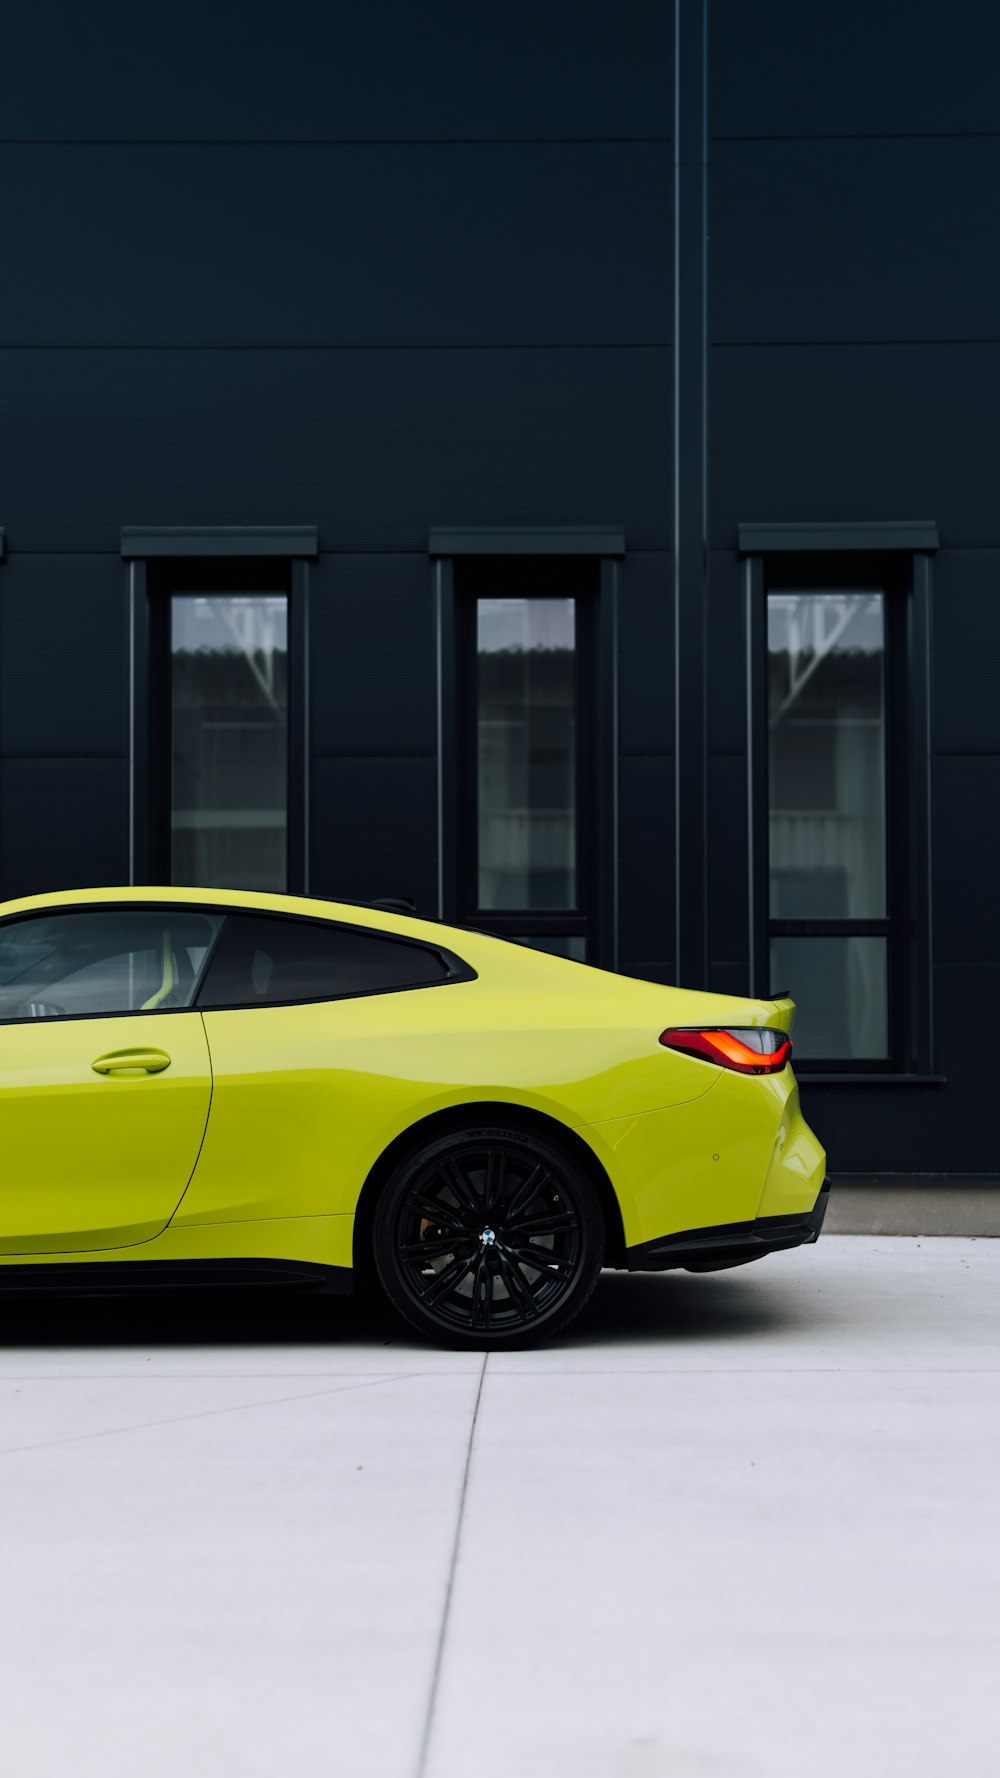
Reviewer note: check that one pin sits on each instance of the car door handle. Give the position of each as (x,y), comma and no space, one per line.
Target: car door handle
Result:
(131,1062)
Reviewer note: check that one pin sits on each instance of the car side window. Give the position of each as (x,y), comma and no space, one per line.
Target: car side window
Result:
(84,963)
(260,961)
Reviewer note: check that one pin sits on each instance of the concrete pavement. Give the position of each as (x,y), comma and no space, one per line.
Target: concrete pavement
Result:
(736,1526)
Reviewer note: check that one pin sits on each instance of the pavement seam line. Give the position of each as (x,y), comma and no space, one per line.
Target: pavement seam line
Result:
(237,1407)
(432,1696)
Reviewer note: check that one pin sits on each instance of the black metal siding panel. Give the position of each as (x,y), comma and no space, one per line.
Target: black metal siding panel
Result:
(372,446)
(373,656)
(313,69)
(848,68)
(63,657)
(646,865)
(63,824)
(646,653)
(959,1123)
(966,858)
(727,655)
(855,432)
(967,652)
(493,244)
(374,830)
(728,874)
(849,240)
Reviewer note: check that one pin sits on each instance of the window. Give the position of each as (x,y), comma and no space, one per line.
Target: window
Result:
(218,755)
(827,816)
(222,707)
(525,754)
(839,641)
(262,961)
(229,739)
(74,964)
(842,834)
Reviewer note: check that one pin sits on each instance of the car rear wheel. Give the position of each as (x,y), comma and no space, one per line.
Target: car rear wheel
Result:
(488,1237)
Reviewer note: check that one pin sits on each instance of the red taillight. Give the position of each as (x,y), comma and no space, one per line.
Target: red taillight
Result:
(750,1051)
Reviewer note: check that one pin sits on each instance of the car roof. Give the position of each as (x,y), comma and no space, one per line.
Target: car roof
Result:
(372,914)
(509,965)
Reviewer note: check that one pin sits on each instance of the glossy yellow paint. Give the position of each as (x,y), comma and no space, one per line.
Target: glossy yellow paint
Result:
(743,1151)
(95,1159)
(305,1099)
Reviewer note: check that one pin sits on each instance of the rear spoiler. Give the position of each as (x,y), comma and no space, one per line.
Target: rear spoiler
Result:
(386,904)
(784,1006)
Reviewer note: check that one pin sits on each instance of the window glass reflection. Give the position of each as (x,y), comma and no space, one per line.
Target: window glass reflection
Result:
(526,741)
(826,754)
(229,718)
(564,945)
(85,964)
(839,986)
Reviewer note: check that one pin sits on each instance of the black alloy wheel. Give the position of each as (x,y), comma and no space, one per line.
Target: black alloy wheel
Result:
(488,1237)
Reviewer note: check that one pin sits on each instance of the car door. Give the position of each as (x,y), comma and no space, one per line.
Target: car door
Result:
(105,1079)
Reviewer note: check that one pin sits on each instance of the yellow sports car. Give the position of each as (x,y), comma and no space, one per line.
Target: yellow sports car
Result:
(214,1085)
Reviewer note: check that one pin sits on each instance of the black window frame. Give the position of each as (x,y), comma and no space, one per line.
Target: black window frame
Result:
(584,578)
(903,577)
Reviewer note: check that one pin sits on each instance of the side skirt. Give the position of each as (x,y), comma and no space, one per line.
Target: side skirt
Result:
(730,1243)
(107,1277)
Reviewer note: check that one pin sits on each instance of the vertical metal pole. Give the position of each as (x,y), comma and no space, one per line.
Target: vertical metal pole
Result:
(690,486)
(448,895)
(919,668)
(758,943)
(301,617)
(131,593)
(140,718)
(439,721)
(607,765)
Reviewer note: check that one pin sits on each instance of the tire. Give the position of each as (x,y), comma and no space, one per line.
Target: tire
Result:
(459,1222)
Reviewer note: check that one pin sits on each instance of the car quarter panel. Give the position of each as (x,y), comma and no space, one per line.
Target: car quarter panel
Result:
(306,1098)
(797,1167)
(741,1152)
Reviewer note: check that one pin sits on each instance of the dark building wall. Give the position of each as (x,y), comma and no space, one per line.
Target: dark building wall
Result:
(855,375)
(388,267)
(376,268)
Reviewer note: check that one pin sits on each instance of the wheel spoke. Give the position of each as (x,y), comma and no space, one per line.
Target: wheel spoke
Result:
(432,1249)
(517,1287)
(482,1292)
(528,1189)
(496,1167)
(558,1222)
(448,1279)
(542,1260)
(435,1209)
(452,1174)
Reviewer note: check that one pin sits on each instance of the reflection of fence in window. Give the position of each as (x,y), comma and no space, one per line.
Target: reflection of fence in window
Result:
(826,723)
(526,743)
(229,705)
(840,987)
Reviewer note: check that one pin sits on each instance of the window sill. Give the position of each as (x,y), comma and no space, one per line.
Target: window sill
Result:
(807,1078)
